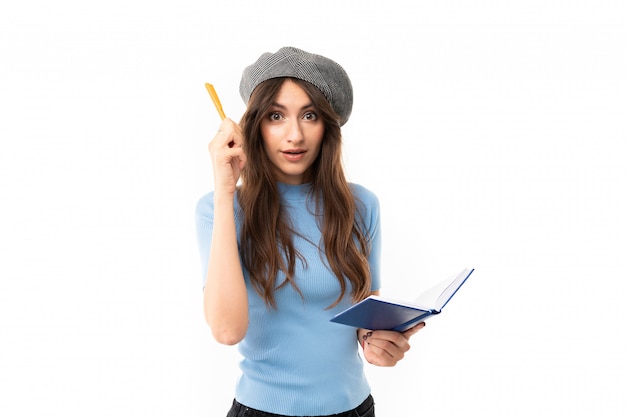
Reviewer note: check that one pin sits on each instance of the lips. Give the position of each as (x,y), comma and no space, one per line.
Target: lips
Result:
(294,151)
(294,154)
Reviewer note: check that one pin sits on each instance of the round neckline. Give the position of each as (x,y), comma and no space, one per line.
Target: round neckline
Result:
(294,192)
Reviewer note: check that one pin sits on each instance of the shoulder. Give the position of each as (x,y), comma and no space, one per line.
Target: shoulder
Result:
(367,205)
(368,209)
(367,197)
(204,206)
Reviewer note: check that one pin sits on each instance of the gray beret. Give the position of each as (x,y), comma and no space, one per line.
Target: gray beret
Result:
(328,76)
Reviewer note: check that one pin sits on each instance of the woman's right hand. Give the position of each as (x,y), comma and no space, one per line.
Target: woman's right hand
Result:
(227,156)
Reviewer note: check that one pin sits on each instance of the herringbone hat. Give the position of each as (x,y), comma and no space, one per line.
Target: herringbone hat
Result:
(325,74)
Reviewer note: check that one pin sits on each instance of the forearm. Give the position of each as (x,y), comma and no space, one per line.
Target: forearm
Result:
(225,296)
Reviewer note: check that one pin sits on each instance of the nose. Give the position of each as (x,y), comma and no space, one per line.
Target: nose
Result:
(294,131)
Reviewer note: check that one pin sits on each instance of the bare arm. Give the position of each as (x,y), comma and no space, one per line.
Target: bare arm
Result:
(225,296)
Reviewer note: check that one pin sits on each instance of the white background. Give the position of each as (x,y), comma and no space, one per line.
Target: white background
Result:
(492,131)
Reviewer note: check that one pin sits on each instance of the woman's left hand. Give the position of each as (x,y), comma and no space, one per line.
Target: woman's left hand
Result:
(386,347)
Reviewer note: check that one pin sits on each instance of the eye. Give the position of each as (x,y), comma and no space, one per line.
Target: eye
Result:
(310,116)
(274,116)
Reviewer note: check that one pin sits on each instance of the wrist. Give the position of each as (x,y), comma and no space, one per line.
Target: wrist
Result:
(362,335)
(223,199)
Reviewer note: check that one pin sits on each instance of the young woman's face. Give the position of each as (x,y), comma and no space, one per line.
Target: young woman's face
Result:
(292,134)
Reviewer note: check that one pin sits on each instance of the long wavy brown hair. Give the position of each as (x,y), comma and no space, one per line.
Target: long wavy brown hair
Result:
(267,236)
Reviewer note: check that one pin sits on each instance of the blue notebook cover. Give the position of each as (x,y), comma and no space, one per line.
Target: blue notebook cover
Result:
(379,313)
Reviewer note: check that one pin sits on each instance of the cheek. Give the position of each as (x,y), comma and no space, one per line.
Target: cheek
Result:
(319,138)
(269,136)
(266,135)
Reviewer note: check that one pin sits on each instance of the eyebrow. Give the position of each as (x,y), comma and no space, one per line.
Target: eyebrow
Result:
(280,106)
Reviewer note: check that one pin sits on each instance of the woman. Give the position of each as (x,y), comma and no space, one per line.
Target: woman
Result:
(293,245)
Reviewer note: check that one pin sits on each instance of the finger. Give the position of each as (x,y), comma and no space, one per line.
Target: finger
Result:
(238,158)
(232,132)
(381,357)
(242,159)
(227,138)
(393,343)
(385,349)
(410,332)
(227,132)
(389,348)
(389,336)
(226,145)
(234,156)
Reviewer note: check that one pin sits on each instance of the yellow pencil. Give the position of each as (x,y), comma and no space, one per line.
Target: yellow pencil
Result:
(215,99)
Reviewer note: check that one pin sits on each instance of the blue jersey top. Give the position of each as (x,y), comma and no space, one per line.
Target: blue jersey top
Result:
(295,361)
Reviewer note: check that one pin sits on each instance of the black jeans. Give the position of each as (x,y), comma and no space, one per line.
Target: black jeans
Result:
(366,409)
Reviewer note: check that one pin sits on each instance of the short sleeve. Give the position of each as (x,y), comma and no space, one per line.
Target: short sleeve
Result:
(369,210)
